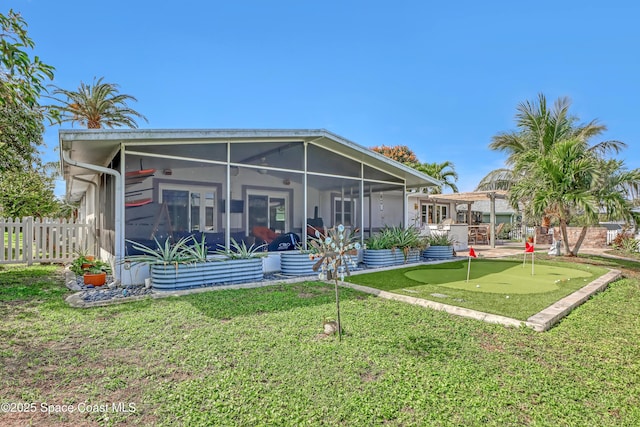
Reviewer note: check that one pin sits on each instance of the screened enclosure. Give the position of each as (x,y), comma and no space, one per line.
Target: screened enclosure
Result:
(252,192)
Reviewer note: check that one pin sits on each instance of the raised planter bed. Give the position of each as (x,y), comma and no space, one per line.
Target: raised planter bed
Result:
(184,276)
(438,252)
(387,257)
(296,264)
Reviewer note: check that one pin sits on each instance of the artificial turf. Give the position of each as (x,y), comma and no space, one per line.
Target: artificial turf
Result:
(501,287)
(506,277)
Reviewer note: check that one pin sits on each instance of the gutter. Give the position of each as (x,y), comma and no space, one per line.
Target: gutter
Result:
(119,209)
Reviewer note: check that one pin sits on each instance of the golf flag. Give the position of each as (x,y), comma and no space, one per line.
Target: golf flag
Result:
(472,254)
(528,248)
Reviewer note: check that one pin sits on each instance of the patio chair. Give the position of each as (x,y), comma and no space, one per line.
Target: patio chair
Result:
(482,235)
(499,230)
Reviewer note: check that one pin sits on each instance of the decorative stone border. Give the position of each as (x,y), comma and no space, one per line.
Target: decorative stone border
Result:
(76,300)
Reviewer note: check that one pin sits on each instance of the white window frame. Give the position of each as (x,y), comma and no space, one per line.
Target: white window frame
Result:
(270,194)
(202,190)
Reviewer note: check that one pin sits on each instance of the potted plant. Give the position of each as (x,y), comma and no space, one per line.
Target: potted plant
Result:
(94,271)
(440,246)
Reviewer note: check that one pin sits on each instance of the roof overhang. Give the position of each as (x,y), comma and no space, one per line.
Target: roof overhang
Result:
(469,197)
(99,146)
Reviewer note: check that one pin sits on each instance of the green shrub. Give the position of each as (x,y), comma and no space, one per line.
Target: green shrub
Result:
(626,242)
(395,237)
(439,239)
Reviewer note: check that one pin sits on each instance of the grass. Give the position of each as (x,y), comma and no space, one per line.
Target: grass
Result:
(252,358)
(491,282)
(25,284)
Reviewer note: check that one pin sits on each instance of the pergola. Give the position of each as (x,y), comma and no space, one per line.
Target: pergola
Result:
(471,197)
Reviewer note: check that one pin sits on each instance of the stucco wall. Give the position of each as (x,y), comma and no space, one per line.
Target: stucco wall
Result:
(596,236)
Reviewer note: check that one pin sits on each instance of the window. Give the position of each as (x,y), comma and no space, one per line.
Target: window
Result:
(268,209)
(426,213)
(189,209)
(344,211)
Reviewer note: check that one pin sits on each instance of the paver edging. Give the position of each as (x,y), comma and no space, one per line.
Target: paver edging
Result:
(547,318)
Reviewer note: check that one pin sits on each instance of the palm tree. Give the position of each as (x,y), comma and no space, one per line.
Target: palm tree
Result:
(96,106)
(571,178)
(539,129)
(444,172)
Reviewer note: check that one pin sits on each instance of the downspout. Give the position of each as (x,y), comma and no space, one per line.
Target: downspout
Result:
(96,203)
(119,209)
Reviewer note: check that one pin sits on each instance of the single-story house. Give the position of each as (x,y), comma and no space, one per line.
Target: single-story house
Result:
(249,185)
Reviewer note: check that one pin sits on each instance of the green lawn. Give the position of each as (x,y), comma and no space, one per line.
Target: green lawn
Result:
(502,287)
(253,358)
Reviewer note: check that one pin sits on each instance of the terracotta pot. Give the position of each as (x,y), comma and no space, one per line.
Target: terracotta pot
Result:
(97,279)
(88,264)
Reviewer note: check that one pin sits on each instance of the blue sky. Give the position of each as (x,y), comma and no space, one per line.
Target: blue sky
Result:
(440,77)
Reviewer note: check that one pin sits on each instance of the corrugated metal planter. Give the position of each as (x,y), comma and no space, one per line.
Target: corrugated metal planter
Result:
(413,256)
(296,264)
(438,252)
(387,257)
(185,276)
(382,257)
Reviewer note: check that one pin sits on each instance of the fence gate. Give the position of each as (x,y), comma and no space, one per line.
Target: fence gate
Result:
(30,240)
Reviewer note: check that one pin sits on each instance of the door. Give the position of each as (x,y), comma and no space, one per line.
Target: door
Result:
(189,209)
(268,209)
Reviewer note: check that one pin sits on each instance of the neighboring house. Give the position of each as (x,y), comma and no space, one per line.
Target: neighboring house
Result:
(249,185)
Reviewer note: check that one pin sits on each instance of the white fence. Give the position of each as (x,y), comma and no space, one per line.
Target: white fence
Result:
(611,234)
(516,233)
(30,240)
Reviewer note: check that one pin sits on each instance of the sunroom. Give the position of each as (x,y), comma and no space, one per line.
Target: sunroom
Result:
(263,187)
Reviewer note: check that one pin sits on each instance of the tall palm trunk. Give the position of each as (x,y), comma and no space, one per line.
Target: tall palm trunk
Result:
(565,237)
(576,248)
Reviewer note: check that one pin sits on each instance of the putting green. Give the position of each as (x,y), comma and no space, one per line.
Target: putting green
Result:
(504,277)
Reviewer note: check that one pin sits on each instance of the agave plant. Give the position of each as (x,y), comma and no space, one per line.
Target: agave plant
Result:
(381,240)
(242,251)
(165,253)
(439,239)
(198,250)
(396,237)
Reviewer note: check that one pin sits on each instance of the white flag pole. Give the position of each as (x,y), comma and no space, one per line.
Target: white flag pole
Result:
(532,263)
(535,241)
(469,268)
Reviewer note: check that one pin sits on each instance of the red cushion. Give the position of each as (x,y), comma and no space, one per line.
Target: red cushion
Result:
(264,233)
